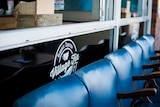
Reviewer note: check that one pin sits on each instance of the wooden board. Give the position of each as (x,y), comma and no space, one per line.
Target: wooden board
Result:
(26,21)
(49,19)
(7,22)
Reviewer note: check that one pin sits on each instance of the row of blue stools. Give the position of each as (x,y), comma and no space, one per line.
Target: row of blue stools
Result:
(123,78)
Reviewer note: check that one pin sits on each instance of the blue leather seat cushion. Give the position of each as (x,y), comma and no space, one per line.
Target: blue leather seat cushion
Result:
(66,92)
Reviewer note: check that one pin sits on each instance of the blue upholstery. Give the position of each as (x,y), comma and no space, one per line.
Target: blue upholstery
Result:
(147,44)
(66,92)
(146,49)
(151,42)
(137,59)
(101,81)
(122,62)
(137,56)
(146,52)
(94,85)
(99,84)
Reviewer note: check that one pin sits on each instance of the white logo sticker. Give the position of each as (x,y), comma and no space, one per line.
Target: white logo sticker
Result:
(65,60)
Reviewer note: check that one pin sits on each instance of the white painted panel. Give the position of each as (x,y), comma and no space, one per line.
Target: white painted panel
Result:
(11,39)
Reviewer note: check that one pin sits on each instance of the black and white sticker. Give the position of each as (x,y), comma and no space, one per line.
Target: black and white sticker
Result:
(65,60)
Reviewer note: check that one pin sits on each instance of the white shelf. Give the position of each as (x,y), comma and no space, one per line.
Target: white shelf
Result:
(11,39)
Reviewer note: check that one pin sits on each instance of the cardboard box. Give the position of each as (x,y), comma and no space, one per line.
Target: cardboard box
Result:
(36,14)
(25,8)
(44,7)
